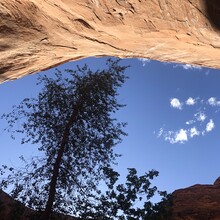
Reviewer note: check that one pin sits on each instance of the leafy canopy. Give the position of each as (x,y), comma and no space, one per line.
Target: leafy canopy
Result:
(72,123)
(75,110)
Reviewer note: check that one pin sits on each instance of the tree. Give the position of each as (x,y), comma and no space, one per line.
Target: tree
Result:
(72,123)
(128,201)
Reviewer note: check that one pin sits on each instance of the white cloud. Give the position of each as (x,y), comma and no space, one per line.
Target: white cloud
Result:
(188,66)
(168,137)
(210,126)
(194,132)
(175,103)
(213,102)
(144,61)
(200,116)
(174,137)
(190,101)
(181,136)
(199,125)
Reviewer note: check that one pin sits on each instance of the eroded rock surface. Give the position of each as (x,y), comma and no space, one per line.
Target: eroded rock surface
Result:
(198,202)
(39,34)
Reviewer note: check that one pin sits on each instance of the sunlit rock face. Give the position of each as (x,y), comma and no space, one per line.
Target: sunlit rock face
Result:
(39,34)
(198,202)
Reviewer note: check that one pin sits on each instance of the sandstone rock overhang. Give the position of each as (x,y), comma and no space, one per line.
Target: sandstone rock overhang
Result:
(39,34)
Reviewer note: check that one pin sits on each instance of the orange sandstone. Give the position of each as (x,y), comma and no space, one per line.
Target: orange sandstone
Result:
(40,34)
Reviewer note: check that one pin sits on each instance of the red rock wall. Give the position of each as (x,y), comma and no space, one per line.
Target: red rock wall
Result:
(198,202)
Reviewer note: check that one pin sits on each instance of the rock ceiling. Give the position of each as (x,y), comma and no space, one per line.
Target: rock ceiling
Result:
(39,34)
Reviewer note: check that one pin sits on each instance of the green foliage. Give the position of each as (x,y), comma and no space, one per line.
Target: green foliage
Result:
(72,118)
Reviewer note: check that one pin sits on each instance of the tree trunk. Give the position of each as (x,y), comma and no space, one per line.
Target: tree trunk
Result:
(48,210)
(39,34)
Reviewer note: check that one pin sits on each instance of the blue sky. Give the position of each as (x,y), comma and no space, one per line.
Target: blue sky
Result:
(173,121)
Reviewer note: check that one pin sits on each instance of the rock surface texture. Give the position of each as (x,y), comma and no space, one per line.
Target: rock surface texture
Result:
(40,34)
(198,202)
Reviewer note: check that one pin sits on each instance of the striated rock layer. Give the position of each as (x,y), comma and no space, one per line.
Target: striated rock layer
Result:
(39,34)
(198,202)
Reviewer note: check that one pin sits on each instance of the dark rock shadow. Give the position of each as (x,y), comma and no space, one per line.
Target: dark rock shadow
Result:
(213,12)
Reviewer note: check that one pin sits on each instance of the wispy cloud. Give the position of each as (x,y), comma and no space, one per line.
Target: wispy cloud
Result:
(188,66)
(174,137)
(210,126)
(175,103)
(160,133)
(190,101)
(182,135)
(190,122)
(144,61)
